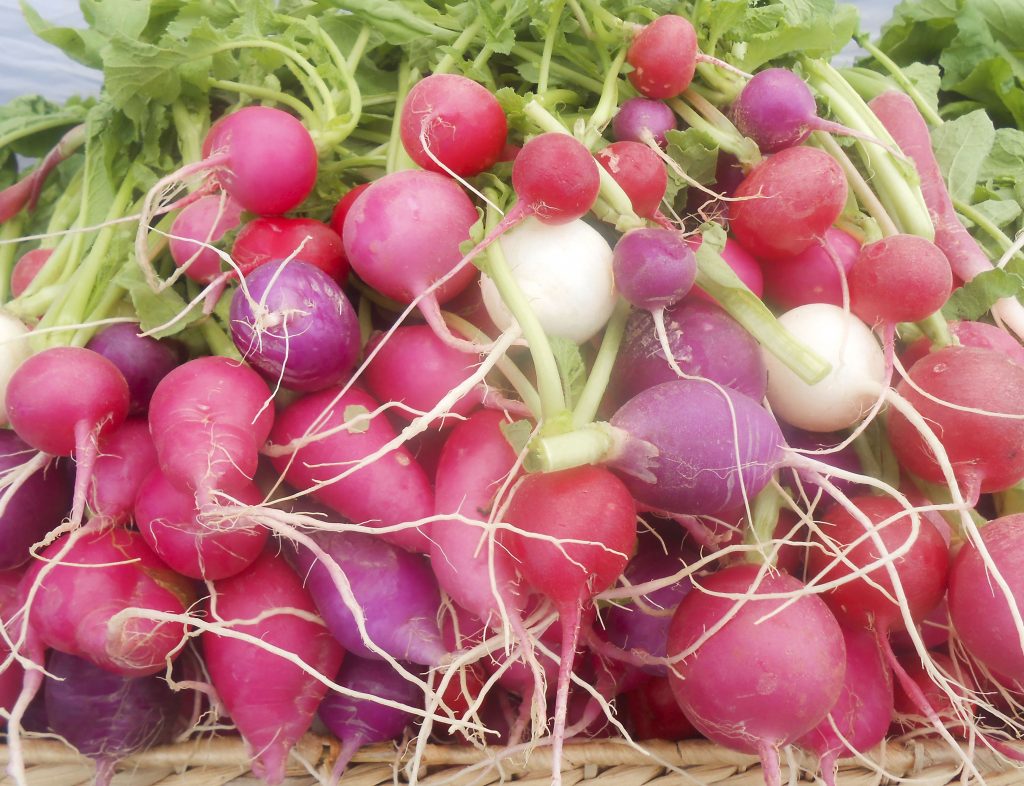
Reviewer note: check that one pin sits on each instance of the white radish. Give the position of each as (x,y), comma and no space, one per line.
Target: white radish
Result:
(14,350)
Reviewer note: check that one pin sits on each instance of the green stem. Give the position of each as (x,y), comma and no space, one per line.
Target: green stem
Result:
(607,104)
(317,90)
(900,78)
(982,221)
(397,157)
(562,71)
(40,125)
(865,196)
(112,295)
(549,382)
(590,444)
(760,531)
(217,340)
(308,116)
(8,231)
(730,141)
(601,372)
(458,49)
(190,133)
(936,329)
(549,46)
(358,48)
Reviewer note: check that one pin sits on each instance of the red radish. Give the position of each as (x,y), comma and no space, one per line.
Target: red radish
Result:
(144,361)
(341,210)
(27,267)
(787,201)
(452,124)
(901,278)
(982,441)
(592,508)
(126,457)
(813,276)
(204,221)
(274,238)
(755,703)
(655,714)
(908,713)
(555,178)
(241,669)
(25,193)
(61,401)
(638,117)
(664,57)
(193,545)
(209,417)
(390,491)
(639,172)
(969,334)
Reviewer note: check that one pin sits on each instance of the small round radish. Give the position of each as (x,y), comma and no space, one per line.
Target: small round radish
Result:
(654,268)
(787,201)
(274,238)
(812,276)
(857,377)
(639,172)
(765,677)
(664,57)
(26,268)
(454,120)
(565,272)
(206,220)
(901,278)
(983,448)
(638,117)
(295,325)
(143,361)
(341,210)
(980,335)
(555,178)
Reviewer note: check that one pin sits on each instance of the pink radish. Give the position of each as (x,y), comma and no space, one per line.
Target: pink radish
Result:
(204,221)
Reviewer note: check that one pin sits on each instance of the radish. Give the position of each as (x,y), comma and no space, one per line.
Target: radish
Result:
(854,383)
(204,221)
(787,201)
(318,436)
(815,275)
(294,324)
(980,335)
(755,704)
(664,57)
(591,517)
(653,268)
(654,713)
(342,208)
(452,124)
(126,457)
(273,238)
(240,668)
(107,716)
(13,675)
(196,545)
(142,360)
(639,172)
(638,117)
(980,426)
(27,267)
(565,273)
(900,278)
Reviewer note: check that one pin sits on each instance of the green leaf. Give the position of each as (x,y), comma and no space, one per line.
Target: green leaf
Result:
(974,299)
(82,46)
(31,125)
(156,309)
(926,79)
(695,151)
(571,368)
(961,146)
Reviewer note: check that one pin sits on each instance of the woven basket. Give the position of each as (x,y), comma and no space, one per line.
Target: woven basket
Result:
(223,762)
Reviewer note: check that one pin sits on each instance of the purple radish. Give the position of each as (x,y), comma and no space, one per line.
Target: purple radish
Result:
(271,699)
(106,716)
(35,499)
(200,224)
(294,324)
(62,401)
(193,545)
(809,442)
(654,268)
(813,275)
(361,721)
(127,456)
(777,110)
(765,677)
(312,449)
(698,466)
(142,360)
(638,117)
(705,342)
(396,591)
(863,711)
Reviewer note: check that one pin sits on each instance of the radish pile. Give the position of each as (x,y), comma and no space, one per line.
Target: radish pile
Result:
(564,378)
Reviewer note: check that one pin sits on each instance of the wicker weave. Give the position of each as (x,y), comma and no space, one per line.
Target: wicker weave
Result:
(223,762)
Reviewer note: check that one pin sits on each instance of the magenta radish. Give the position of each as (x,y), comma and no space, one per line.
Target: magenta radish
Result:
(107,716)
(654,268)
(787,201)
(27,267)
(62,401)
(742,262)
(292,322)
(862,712)
(75,605)
(273,238)
(204,221)
(401,614)
(654,713)
(209,418)
(639,172)
(721,450)
(475,461)
(777,110)
(193,544)
(813,276)
(452,124)
(755,704)
(901,278)
(360,721)
(638,117)
(35,500)
(126,457)
(241,668)
(594,509)
(983,445)
(390,491)
(11,677)
(142,360)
